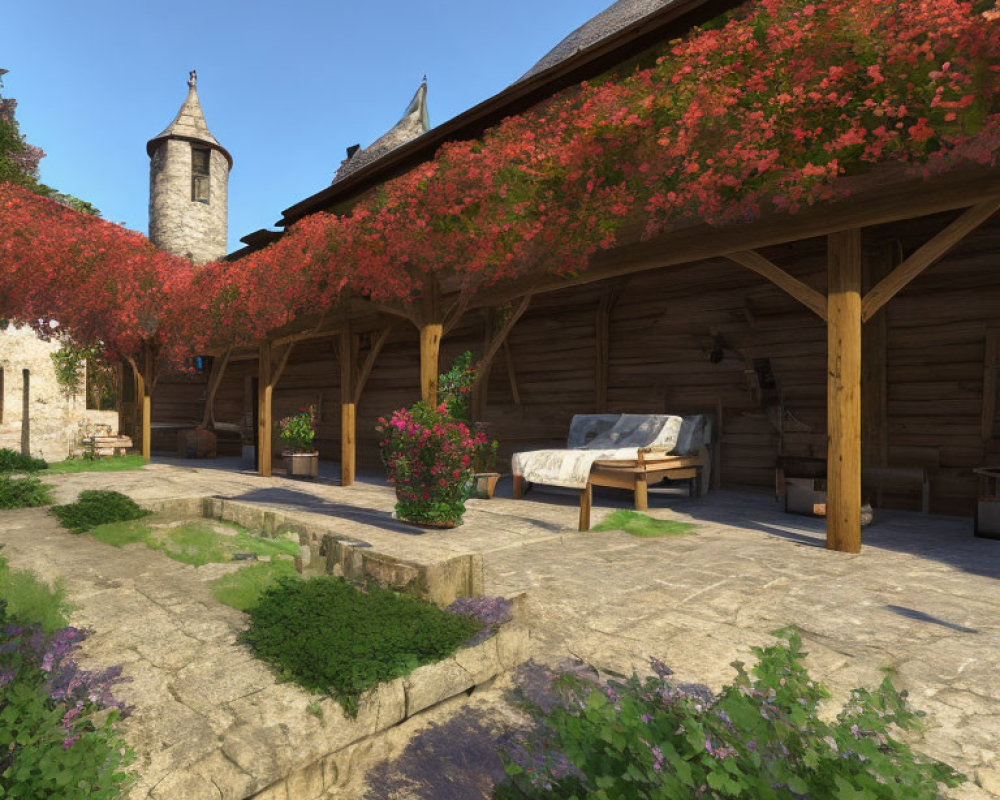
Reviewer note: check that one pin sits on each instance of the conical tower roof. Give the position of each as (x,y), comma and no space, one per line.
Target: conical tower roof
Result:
(189,124)
(415,121)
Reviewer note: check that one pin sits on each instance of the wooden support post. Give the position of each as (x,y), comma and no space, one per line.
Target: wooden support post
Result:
(265,388)
(843,397)
(991,369)
(148,375)
(431,331)
(586,501)
(515,393)
(348,410)
(430,344)
(641,493)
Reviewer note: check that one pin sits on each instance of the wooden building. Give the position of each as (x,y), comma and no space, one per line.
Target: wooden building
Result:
(863,332)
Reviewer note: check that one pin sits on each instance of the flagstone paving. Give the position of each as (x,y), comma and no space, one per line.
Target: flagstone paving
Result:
(920,600)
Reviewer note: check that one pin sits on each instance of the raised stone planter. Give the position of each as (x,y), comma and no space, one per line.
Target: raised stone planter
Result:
(440,581)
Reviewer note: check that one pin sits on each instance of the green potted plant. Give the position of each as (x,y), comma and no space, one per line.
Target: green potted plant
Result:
(455,390)
(429,456)
(297,433)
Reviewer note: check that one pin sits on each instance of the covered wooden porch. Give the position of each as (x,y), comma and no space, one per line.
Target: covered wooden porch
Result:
(691,321)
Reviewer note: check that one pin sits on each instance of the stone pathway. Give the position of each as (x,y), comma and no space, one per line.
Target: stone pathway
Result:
(920,599)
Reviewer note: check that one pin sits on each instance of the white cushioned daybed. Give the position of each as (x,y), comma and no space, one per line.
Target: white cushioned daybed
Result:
(626,451)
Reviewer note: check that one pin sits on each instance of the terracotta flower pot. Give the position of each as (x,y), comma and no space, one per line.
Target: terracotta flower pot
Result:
(486,484)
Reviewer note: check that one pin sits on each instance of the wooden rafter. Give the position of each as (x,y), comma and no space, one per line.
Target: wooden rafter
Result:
(933,250)
(456,312)
(369,363)
(500,337)
(281,364)
(812,299)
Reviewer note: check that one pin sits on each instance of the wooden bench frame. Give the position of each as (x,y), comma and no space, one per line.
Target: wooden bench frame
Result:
(650,466)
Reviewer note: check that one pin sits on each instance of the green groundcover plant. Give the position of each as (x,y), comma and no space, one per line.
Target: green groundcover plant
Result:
(97,507)
(12,461)
(27,492)
(761,737)
(57,721)
(329,636)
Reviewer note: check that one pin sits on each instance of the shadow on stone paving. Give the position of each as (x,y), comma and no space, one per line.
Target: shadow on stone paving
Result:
(303,501)
(454,760)
(947,540)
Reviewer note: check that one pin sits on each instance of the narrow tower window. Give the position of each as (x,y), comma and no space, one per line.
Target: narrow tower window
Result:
(200,171)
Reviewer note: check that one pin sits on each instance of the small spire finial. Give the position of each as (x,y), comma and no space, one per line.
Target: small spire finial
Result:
(193,79)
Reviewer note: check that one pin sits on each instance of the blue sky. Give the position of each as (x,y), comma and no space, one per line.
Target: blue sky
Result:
(286,87)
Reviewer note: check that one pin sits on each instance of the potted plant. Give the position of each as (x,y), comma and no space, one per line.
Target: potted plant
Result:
(455,389)
(297,433)
(484,462)
(429,456)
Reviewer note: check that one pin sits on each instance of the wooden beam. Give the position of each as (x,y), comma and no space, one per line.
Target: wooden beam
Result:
(602,344)
(456,312)
(277,370)
(805,294)
(265,388)
(500,337)
(480,387)
(933,250)
(991,368)
(348,409)
(214,381)
(511,374)
(877,198)
(843,398)
(366,368)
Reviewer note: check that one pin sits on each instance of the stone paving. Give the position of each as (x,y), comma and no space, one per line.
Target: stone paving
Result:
(920,599)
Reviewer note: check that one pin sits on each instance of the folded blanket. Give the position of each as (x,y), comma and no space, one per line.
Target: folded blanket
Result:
(571,467)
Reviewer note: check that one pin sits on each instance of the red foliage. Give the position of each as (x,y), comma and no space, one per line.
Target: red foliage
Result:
(761,110)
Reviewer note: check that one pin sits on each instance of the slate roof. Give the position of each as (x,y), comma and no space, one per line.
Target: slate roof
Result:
(415,121)
(613,19)
(189,124)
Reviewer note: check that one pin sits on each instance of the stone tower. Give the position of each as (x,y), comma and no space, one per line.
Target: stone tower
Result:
(189,185)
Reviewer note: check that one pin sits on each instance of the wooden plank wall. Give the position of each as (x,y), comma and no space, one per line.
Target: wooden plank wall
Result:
(663,331)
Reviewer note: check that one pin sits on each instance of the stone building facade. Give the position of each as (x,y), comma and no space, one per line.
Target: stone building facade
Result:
(55,420)
(189,185)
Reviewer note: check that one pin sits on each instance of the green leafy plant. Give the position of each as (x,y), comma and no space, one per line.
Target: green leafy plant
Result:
(328,636)
(28,492)
(97,507)
(761,737)
(643,526)
(298,431)
(13,461)
(455,386)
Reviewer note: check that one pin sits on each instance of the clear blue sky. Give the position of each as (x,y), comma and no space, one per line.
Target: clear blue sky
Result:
(285,87)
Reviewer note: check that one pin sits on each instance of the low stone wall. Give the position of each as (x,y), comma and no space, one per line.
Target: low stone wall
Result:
(391,705)
(323,550)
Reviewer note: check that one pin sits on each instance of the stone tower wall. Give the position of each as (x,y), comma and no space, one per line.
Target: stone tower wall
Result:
(178,224)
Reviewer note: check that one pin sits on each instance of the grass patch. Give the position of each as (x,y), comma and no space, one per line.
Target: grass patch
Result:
(328,636)
(28,597)
(643,526)
(109,464)
(97,507)
(27,492)
(242,589)
(13,461)
(197,542)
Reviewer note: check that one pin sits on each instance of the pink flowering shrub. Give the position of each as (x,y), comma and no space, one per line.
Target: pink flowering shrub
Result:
(429,456)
